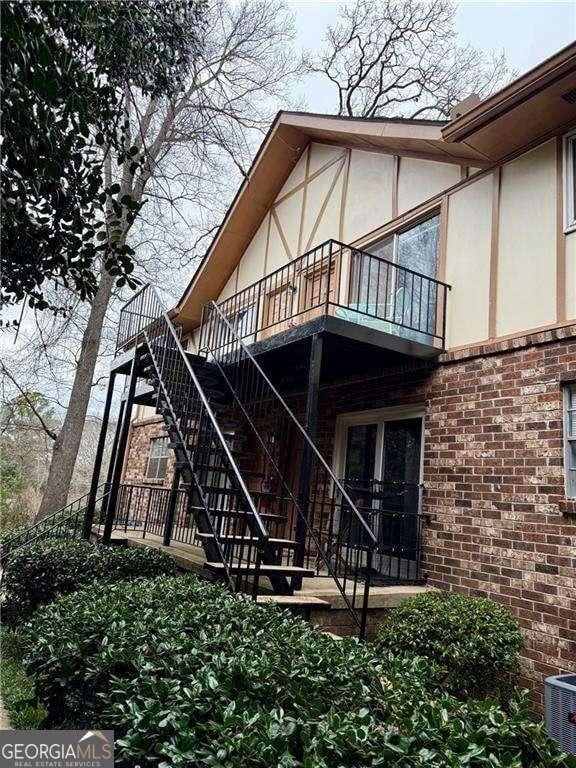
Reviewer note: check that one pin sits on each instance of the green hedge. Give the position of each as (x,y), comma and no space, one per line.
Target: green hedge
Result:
(19,692)
(37,574)
(62,525)
(475,642)
(187,674)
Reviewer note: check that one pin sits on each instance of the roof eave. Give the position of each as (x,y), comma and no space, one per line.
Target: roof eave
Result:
(517,92)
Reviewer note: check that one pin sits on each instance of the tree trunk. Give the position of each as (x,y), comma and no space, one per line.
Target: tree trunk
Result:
(67,443)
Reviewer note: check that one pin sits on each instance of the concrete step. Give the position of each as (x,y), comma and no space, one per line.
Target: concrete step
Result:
(264,570)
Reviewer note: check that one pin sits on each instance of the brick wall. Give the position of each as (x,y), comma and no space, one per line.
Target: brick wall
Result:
(493,471)
(138,450)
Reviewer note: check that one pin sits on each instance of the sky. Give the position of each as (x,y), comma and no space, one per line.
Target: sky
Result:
(527,32)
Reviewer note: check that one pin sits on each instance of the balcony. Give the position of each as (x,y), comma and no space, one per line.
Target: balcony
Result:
(342,292)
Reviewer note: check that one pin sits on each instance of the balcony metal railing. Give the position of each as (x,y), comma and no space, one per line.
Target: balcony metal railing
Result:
(341,281)
(145,509)
(393,510)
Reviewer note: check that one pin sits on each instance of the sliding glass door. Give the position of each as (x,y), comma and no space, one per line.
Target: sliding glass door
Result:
(394,296)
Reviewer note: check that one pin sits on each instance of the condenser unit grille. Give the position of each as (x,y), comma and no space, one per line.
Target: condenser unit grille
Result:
(560,703)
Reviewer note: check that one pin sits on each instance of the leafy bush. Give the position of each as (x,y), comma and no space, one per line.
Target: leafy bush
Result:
(188,674)
(6,537)
(475,641)
(62,525)
(18,689)
(37,574)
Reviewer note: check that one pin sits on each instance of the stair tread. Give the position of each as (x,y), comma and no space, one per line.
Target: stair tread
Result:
(242,514)
(235,492)
(248,539)
(264,568)
(294,600)
(177,445)
(269,516)
(230,470)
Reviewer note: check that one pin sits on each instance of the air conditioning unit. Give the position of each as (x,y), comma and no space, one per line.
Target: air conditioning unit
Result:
(560,704)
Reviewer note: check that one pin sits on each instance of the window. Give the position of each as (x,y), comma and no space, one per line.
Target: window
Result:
(278,305)
(415,248)
(396,295)
(570,439)
(570,181)
(157,458)
(243,320)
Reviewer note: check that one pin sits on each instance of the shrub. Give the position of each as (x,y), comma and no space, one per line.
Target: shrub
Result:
(61,525)
(475,641)
(187,674)
(18,689)
(37,574)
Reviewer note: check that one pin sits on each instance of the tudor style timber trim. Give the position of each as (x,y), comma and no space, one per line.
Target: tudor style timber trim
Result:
(560,234)
(493,289)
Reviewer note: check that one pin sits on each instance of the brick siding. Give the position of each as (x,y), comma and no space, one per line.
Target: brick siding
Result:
(500,525)
(138,450)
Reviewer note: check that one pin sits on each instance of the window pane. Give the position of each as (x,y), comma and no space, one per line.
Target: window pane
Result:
(415,298)
(572,424)
(571,470)
(158,455)
(361,452)
(571,413)
(570,440)
(572,397)
(244,321)
(370,283)
(402,444)
(418,247)
(383,248)
(162,466)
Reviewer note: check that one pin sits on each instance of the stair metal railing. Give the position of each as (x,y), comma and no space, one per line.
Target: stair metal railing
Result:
(319,509)
(146,509)
(66,523)
(220,499)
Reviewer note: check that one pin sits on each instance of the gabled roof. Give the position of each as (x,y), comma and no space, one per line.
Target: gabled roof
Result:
(528,108)
(288,137)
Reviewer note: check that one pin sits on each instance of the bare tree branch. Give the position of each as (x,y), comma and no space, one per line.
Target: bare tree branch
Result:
(401,58)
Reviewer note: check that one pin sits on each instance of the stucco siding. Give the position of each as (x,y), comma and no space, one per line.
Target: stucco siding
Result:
(335,192)
(468,262)
(253,260)
(419,180)
(526,295)
(369,195)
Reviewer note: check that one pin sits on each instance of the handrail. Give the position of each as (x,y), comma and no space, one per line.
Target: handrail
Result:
(330,534)
(49,523)
(369,292)
(263,534)
(295,421)
(51,517)
(387,261)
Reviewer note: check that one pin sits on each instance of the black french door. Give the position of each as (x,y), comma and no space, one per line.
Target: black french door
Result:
(382,470)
